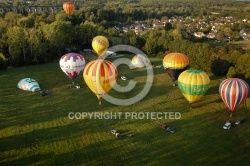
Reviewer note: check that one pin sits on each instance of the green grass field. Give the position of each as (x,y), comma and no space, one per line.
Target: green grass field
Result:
(36,130)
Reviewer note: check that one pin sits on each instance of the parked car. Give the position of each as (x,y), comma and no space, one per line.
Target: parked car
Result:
(240,121)
(227,125)
(123,78)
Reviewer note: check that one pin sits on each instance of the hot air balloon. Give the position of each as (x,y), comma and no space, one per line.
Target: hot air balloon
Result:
(72,64)
(29,84)
(174,64)
(193,84)
(100,75)
(100,44)
(139,61)
(233,92)
(68,7)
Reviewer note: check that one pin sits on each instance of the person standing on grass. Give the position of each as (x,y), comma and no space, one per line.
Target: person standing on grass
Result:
(117,135)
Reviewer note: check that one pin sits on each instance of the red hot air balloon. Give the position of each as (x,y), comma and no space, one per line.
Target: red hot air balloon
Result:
(68,7)
(233,92)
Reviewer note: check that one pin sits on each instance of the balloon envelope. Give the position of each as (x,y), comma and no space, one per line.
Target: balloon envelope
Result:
(139,61)
(68,7)
(233,92)
(100,76)
(174,64)
(72,64)
(29,84)
(100,44)
(174,73)
(193,84)
(175,61)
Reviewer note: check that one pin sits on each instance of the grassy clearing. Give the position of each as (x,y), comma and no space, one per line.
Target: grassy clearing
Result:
(36,130)
(244,44)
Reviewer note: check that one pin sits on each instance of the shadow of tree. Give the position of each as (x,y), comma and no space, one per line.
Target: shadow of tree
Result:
(219,67)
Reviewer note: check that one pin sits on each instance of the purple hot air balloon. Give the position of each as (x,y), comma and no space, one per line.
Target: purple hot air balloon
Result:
(233,92)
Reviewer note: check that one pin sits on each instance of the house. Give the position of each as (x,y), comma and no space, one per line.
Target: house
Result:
(211,35)
(158,24)
(199,34)
(138,29)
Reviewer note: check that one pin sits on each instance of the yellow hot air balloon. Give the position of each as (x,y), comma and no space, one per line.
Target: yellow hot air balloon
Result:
(193,84)
(100,75)
(100,44)
(175,61)
(175,64)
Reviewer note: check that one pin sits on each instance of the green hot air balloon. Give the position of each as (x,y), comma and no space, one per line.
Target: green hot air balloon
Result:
(193,84)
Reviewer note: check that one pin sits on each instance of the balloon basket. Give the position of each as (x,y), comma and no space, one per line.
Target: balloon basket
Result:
(74,85)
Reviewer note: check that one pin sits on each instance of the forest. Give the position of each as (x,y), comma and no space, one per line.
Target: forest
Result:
(35,38)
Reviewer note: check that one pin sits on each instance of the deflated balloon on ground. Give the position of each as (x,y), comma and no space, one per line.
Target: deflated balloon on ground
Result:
(29,84)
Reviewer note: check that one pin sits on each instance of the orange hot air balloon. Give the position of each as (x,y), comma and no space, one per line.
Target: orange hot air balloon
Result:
(68,7)
(100,75)
(100,44)
(175,64)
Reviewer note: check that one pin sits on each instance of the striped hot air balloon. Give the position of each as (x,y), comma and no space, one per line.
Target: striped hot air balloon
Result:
(139,61)
(174,64)
(100,44)
(68,7)
(233,92)
(100,75)
(193,84)
(72,64)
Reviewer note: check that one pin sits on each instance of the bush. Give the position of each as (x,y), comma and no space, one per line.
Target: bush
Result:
(3,61)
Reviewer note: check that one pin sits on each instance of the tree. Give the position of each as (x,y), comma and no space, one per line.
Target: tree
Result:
(17,46)
(177,34)
(220,36)
(87,31)
(234,56)
(3,61)
(231,72)
(137,41)
(26,22)
(39,46)
(111,32)
(60,35)
(12,18)
(18,3)
(168,26)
